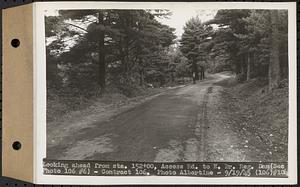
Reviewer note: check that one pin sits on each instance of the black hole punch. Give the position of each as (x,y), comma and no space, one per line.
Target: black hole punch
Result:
(15,43)
(16,145)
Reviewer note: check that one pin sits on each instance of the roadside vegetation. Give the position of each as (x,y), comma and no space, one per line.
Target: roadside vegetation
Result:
(258,116)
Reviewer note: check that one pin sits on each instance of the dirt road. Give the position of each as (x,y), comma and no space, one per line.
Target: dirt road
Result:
(182,124)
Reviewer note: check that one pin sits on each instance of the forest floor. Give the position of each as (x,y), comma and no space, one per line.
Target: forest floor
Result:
(214,120)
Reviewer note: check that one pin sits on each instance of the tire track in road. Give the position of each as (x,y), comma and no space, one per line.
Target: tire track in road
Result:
(193,147)
(202,125)
(196,146)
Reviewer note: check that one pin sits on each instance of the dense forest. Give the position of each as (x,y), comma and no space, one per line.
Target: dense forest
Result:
(92,52)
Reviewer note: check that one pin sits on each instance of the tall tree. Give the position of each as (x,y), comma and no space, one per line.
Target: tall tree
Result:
(101,53)
(195,33)
(231,24)
(112,47)
(274,65)
(91,25)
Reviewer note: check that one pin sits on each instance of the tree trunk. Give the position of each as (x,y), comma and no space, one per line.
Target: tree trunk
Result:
(274,65)
(172,77)
(243,69)
(238,66)
(141,77)
(200,72)
(248,66)
(196,71)
(101,60)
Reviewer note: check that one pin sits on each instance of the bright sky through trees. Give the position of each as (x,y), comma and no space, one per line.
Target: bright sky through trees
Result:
(177,20)
(179,17)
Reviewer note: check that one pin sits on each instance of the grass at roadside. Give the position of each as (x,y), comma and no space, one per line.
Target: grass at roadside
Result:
(263,115)
(62,106)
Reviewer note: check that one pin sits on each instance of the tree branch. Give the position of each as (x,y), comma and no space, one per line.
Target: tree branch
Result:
(77,27)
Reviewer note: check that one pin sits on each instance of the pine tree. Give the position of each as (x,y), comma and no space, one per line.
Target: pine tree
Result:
(109,47)
(195,34)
